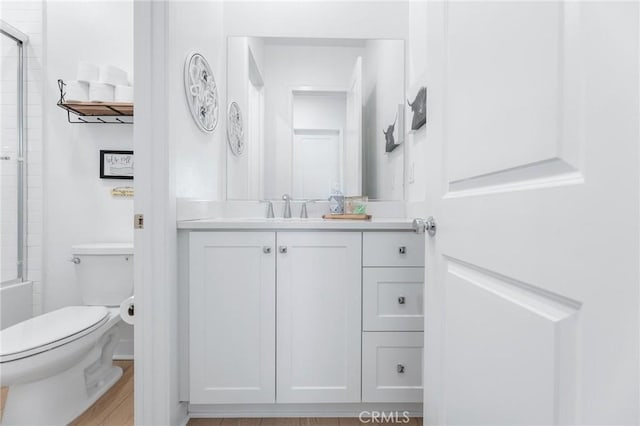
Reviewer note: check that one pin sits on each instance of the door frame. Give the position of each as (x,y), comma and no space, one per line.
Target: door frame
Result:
(156,397)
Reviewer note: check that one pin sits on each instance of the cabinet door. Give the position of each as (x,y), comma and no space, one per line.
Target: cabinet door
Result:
(232,317)
(319,323)
(392,299)
(392,367)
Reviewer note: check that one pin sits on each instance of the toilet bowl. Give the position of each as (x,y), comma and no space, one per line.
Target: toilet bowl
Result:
(57,364)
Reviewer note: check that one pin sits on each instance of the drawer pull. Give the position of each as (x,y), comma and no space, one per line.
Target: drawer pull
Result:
(402,250)
(400,368)
(401,300)
(266,249)
(282,249)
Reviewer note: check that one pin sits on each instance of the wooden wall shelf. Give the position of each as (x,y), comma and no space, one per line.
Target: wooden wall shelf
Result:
(99,112)
(96,112)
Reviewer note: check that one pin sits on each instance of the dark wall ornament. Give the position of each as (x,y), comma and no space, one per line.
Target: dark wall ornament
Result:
(389,137)
(419,108)
(394,135)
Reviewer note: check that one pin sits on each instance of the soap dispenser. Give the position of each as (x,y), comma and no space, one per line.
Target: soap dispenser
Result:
(336,201)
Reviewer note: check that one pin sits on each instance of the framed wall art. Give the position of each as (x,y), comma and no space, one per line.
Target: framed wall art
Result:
(116,164)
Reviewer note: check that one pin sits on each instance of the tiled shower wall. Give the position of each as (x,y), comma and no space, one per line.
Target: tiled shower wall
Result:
(27,16)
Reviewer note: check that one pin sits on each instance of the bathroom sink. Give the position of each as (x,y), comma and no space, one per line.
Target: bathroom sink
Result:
(266,220)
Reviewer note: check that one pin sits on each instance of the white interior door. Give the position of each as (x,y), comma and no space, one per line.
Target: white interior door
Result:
(317,163)
(532,174)
(353,134)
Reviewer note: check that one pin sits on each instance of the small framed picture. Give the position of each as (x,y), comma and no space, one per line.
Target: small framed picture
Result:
(116,164)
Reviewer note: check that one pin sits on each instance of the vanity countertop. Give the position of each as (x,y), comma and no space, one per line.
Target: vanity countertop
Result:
(380,224)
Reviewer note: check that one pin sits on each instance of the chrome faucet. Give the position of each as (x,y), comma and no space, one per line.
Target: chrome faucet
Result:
(269,204)
(287,206)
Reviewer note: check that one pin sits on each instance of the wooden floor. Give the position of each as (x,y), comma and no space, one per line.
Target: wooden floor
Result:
(317,421)
(115,408)
(3,398)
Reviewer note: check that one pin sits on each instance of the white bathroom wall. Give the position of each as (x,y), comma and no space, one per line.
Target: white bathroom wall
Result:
(383,63)
(28,18)
(78,206)
(199,156)
(416,143)
(244,74)
(334,19)
(319,111)
(237,91)
(197,163)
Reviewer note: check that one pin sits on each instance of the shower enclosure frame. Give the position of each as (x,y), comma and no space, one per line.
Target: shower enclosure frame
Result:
(21,40)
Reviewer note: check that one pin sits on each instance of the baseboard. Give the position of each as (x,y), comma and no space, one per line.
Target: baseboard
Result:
(301,410)
(182,415)
(124,350)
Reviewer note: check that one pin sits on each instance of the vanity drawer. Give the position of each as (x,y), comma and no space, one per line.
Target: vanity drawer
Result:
(392,299)
(393,249)
(392,367)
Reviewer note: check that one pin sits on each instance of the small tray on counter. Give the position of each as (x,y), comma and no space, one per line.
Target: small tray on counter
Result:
(347,216)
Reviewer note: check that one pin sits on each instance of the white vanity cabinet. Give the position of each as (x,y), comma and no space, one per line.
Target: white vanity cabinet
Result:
(318,286)
(291,317)
(233,328)
(232,317)
(393,316)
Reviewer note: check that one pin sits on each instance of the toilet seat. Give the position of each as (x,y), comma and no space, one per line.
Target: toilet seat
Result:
(51,330)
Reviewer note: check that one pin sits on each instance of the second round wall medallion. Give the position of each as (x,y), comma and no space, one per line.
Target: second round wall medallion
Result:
(235,129)
(202,92)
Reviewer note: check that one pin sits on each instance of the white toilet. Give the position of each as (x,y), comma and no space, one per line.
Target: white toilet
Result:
(57,364)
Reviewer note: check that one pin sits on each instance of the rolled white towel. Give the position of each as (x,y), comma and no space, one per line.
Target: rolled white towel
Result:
(101,92)
(88,72)
(113,75)
(124,94)
(76,91)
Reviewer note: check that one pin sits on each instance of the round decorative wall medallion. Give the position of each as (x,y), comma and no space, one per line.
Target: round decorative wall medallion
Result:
(235,129)
(202,92)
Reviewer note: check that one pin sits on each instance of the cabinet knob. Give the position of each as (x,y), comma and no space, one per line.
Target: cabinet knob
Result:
(400,368)
(401,300)
(282,249)
(266,249)
(402,250)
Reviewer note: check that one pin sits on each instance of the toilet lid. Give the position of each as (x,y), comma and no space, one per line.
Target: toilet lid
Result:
(49,328)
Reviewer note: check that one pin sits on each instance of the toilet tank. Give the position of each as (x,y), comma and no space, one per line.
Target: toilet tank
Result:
(104,272)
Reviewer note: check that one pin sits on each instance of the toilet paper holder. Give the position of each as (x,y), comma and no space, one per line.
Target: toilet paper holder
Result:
(128,310)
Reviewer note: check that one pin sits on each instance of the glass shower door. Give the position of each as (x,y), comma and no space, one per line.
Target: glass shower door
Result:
(12,195)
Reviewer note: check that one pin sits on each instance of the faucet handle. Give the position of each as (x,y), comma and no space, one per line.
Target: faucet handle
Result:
(287,206)
(303,210)
(270,214)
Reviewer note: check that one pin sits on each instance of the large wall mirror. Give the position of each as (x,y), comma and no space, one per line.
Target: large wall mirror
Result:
(314,115)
